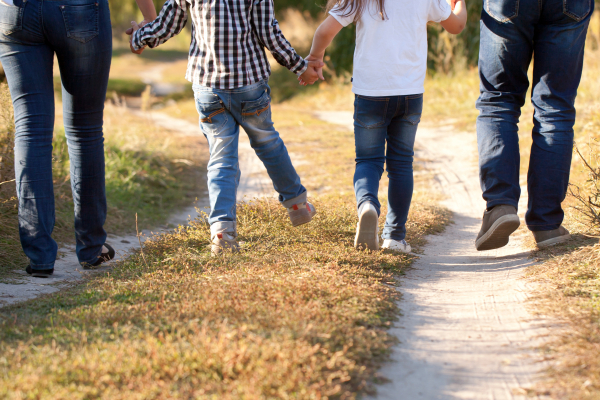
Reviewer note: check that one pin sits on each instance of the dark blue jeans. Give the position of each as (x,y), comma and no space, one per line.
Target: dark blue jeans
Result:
(377,121)
(513,33)
(79,33)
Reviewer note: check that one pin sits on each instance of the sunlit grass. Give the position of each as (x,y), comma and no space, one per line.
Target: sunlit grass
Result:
(299,313)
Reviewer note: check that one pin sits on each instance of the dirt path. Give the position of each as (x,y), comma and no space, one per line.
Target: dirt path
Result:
(465,330)
(67,270)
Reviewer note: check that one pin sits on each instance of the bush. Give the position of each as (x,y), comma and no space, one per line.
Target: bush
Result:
(587,195)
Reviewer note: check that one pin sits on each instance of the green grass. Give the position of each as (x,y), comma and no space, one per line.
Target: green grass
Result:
(121,87)
(149,172)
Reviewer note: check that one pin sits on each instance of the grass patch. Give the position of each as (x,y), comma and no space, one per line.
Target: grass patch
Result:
(298,314)
(283,319)
(120,87)
(149,171)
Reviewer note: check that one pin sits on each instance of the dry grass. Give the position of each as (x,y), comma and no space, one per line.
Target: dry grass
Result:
(570,274)
(299,314)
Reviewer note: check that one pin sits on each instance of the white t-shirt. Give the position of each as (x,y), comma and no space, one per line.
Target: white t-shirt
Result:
(391,56)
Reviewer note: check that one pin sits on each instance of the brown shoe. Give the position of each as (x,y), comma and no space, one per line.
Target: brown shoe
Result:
(224,242)
(496,227)
(550,238)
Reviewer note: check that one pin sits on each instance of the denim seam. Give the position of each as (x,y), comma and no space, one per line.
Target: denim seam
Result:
(19,27)
(386,100)
(575,17)
(35,266)
(505,19)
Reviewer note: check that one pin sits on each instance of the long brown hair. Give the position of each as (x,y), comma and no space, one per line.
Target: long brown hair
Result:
(349,7)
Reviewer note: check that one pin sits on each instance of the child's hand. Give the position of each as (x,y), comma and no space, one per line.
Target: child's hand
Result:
(130,31)
(453,4)
(313,73)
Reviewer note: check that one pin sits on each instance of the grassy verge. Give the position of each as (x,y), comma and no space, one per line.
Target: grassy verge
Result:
(298,314)
(149,171)
(569,274)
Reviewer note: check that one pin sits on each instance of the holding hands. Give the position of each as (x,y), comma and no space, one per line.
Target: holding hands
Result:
(313,73)
(134,27)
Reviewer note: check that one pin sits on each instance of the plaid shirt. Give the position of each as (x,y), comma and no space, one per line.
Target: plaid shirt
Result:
(228,40)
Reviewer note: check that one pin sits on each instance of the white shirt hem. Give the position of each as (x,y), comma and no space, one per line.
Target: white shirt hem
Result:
(388,92)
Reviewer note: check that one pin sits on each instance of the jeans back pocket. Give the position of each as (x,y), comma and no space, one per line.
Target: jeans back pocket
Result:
(413,109)
(370,112)
(577,9)
(502,10)
(81,22)
(11,18)
(213,115)
(257,110)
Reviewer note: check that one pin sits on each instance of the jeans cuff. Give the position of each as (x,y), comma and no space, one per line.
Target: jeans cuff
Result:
(542,228)
(41,266)
(502,202)
(296,200)
(229,227)
(92,260)
(394,236)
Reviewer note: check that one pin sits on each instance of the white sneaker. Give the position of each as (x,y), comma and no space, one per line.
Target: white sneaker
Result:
(301,213)
(367,229)
(396,245)
(224,242)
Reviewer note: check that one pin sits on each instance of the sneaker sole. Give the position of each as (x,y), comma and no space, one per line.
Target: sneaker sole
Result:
(553,241)
(499,233)
(301,217)
(366,234)
(216,249)
(396,250)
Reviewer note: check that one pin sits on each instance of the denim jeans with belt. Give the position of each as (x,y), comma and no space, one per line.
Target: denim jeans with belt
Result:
(222,112)
(393,120)
(513,33)
(79,33)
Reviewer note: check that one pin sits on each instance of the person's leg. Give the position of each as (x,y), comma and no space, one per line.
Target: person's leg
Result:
(251,106)
(370,131)
(560,35)
(27,62)
(372,116)
(505,54)
(399,164)
(84,51)
(222,132)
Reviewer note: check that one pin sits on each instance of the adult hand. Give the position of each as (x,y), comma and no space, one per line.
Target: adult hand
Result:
(131,31)
(453,4)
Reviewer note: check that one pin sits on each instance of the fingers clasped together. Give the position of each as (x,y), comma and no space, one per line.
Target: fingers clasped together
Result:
(313,73)
(134,27)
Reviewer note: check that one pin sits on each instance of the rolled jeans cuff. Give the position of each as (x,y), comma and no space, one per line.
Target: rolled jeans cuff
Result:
(296,200)
(41,266)
(229,227)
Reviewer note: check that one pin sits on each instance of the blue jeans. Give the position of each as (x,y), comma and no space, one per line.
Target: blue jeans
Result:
(222,112)
(79,33)
(394,120)
(513,32)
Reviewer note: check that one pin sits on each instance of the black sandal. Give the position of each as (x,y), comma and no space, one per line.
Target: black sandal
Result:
(103,257)
(39,273)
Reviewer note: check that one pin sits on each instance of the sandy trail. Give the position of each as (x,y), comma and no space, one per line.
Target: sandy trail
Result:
(465,330)
(67,271)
